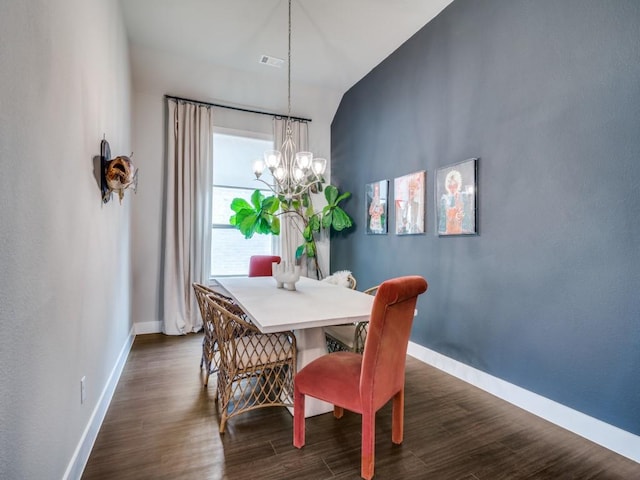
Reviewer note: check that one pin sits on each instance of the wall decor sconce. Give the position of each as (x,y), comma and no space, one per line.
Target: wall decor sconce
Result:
(117,174)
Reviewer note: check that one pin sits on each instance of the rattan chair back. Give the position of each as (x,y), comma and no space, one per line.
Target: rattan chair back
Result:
(350,337)
(256,369)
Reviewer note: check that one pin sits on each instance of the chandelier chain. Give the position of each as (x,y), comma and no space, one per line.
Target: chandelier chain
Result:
(289,67)
(294,173)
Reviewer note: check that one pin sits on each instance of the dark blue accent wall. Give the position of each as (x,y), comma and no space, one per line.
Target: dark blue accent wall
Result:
(547,94)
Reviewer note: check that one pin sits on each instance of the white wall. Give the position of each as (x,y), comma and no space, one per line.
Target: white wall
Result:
(64,256)
(155,75)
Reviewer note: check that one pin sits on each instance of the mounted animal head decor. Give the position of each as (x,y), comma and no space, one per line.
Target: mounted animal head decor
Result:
(118,174)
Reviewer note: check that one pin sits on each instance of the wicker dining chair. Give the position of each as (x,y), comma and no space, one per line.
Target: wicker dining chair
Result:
(210,358)
(256,369)
(210,355)
(350,337)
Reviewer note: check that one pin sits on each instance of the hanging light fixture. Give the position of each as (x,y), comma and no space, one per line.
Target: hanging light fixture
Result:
(293,172)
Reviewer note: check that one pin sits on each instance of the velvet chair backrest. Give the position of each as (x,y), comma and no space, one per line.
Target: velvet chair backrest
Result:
(385,350)
(261,265)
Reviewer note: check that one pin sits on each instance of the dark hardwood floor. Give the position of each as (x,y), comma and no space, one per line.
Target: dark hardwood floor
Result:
(162,424)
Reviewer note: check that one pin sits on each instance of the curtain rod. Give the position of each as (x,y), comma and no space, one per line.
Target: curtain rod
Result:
(247,110)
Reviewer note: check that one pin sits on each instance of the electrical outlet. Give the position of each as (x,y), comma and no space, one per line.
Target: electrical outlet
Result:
(415,312)
(83,390)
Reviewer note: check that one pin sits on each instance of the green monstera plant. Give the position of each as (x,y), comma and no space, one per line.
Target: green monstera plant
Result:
(262,216)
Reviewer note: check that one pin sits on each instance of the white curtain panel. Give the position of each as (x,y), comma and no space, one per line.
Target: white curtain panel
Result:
(290,227)
(187,213)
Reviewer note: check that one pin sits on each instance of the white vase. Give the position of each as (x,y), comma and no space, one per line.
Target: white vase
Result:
(286,275)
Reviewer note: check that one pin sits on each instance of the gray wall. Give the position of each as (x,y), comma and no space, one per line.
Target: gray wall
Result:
(547,94)
(64,257)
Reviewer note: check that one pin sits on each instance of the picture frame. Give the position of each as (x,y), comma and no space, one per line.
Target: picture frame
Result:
(456,199)
(377,205)
(409,202)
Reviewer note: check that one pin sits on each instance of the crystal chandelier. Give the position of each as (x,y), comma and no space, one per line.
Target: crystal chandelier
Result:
(294,173)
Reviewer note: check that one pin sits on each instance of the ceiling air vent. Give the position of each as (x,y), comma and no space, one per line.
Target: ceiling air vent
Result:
(271,61)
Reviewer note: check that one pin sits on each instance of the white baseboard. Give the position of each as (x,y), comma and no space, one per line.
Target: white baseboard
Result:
(608,436)
(143,328)
(83,450)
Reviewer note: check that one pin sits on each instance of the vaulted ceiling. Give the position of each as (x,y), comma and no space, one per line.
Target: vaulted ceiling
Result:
(334,42)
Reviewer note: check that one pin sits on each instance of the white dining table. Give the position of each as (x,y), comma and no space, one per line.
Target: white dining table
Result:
(306,310)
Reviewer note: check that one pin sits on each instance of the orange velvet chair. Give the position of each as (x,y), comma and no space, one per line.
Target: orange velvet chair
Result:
(365,383)
(260,265)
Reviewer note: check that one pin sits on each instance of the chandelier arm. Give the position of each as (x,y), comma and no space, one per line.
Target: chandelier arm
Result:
(273,188)
(269,186)
(306,186)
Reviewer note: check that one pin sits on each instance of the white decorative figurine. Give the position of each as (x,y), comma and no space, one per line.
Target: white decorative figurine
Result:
(286,275)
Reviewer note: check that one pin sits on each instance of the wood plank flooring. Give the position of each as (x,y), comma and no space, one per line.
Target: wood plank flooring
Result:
(162,424)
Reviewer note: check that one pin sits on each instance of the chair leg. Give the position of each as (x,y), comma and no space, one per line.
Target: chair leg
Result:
(298,419)
(210,366)
(207,360)
(338,412)
(368,445)
(397,418)
(223,397)
(222,408)
(218,388)
(204,350)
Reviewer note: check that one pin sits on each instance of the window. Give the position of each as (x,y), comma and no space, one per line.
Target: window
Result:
(233,156)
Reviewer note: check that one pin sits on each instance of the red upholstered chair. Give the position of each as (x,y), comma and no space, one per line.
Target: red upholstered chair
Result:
(260,265)
(365,383)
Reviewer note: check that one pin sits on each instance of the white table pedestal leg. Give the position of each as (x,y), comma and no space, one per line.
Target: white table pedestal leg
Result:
(311,344)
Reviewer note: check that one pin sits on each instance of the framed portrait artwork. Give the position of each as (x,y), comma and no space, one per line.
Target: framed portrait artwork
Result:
(456,199)
(409,200)
(377,207)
